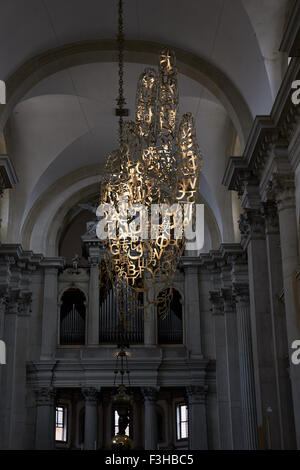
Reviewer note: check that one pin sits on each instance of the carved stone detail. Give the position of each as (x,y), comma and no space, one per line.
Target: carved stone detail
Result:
(241,293)
(217,302)
(282,189)
(228,300)
(45,396)
(270,213)
(252,225)
(90,394)
(150,393)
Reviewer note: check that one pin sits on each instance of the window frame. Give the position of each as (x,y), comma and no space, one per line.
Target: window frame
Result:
(179,422)
(65,422)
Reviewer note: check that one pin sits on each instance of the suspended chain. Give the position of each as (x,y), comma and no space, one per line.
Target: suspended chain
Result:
(121,100)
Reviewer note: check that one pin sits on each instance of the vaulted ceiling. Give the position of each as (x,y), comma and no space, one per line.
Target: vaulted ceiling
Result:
(65,120)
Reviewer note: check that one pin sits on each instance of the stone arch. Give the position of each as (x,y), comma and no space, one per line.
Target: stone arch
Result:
(44,223)
(47,63)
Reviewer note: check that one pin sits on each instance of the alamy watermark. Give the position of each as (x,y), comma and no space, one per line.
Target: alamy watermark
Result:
(134,222)
(2,352)
(295,358)
(2,92)
(296,94)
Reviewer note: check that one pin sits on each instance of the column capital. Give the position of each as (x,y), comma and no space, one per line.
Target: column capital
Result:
(12,302)
(51,271)
(90,394)
(45,396)
(270,213)
(4,301)
(217,302)
(196,394)
(228,300)
(24,302)
(150,394)
(191,269)
(94,261)
(241,293)
(282,189)
(252,225)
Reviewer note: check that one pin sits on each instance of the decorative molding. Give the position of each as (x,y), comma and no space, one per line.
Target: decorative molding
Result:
(276,129)
(291,39)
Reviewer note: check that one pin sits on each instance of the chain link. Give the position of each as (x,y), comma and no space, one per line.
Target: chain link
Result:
(121,100)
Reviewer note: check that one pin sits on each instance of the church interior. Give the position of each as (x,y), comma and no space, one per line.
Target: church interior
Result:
(220,369)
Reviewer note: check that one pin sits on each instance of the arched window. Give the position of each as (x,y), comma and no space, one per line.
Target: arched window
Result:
(169,327)
(72,317)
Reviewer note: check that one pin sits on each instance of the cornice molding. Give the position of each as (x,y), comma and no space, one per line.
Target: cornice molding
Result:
(8,176)
(291,39)
(279,128)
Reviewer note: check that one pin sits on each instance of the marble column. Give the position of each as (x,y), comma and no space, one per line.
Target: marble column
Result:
(107,416)
(233,369)
(93,309)
(137,413)
(252,226)
(192,310)
(197,417)
(225,435)
(283,188)
(45,419)
(90,418)
(3,304)
(281,348)
(246,367)
(150,418)
(50,313)
(8,372)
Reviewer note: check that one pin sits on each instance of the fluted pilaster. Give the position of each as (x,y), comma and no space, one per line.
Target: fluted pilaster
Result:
(246,367)
(150,432)
(90,418)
